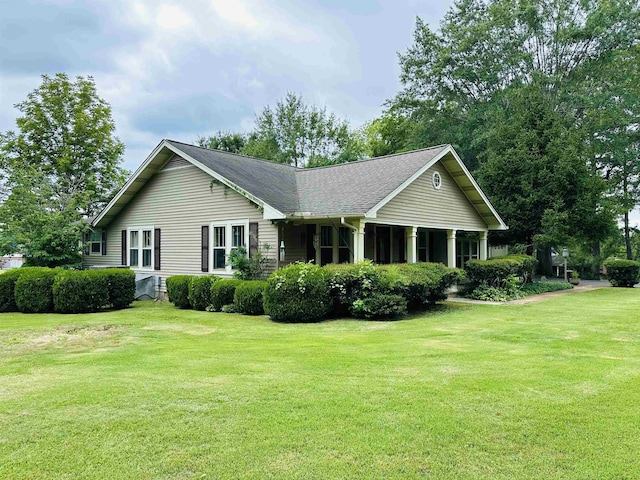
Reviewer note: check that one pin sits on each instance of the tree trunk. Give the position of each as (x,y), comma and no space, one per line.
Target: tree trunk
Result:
(627,238)
(545,265)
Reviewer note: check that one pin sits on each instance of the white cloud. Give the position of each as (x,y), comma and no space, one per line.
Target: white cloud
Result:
(234,12)
(172,18)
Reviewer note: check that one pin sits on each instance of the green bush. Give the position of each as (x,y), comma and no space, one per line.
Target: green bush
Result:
(623,273)
(544,287)
(348,282)
(488,293)
(7,287)
(80,291)
(379,307)
(200,291)
(420,283)
(121,284)
(222,293)
(178,290)
(297,293)
(248,297)
(34,289)
(496,271)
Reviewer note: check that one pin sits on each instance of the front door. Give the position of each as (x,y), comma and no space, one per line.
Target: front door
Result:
(383,245)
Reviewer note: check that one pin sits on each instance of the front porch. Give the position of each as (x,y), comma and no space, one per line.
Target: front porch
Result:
(348,241)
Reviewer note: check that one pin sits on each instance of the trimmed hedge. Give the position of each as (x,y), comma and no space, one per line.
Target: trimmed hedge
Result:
(350,282)
(222,292)
(121,284)
(380,307)
(420,284)
(200,291)
(248,297)
(495,272)
(178,290)
(34,289)
(297,293)
(7,290)
(80,291)
(623,273)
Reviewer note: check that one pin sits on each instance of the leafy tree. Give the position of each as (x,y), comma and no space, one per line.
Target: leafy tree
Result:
(225,141)
(61,167)
(302,135)
(466,82)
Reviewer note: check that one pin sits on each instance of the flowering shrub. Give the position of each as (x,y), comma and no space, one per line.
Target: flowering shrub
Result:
(297,293)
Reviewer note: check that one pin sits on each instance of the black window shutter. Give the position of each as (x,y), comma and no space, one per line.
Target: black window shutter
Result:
(205,249)
(85,246)
(123,258)
(104,242)
(253,238)
(156,249)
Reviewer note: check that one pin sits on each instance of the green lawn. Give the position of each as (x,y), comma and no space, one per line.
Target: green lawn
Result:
(546,390)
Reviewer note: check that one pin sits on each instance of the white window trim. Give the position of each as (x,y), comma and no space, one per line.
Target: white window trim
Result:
(140,234)
(228,234)
(437,175)
(89,243)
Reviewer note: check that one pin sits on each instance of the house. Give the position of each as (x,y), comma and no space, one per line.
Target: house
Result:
(187,207)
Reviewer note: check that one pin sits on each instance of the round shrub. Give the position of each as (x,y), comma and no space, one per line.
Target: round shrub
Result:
(178,290)
(349,282)
(297,293)
(7,287)
(121,286)
(200,291)
(80,291)
(379,307)
(222,293)
(34,289)
(623,273)
(248,297)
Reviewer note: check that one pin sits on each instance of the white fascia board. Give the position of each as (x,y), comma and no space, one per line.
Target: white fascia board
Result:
(373,212)
(128,183)
(268,212)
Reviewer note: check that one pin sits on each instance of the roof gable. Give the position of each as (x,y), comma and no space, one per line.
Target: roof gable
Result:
(351,189)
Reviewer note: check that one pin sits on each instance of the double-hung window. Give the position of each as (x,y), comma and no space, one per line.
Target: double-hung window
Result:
(344,245)
(140,247)
(227,237)
(95,243)
(326,244)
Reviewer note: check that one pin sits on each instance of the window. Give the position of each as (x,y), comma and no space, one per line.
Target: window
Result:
(437,180)
(146,248)
(95,243)
(141,247)
(134,245)
(219,247)
(326,245)
(344,245)
(225,238)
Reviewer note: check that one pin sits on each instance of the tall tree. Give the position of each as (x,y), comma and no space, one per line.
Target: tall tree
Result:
(302,135)
(225,141)
(463,80)
(61,167)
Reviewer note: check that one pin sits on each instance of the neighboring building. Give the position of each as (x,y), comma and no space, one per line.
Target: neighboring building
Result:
(187,207)
(15,260)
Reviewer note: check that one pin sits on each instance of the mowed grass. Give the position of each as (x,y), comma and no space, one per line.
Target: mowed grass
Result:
(546,390)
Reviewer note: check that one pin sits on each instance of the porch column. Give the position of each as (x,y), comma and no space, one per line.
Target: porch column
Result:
(412,244)
(483,245)
(451,248)
(359,242)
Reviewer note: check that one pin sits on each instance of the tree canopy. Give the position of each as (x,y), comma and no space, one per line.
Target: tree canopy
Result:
(60,168)
(294,133)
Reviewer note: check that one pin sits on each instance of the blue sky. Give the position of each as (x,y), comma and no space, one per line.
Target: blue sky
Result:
(182,68)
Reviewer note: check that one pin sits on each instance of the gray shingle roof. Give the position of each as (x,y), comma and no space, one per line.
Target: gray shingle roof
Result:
(345,189)
(274,183)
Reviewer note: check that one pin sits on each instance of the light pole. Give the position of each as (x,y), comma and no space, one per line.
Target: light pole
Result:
(565,254)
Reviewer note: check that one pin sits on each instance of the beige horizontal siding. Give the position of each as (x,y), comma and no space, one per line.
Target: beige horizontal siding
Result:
(180,202)
(420,204)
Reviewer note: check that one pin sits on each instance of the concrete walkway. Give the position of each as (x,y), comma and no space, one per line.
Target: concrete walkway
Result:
(585,285)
